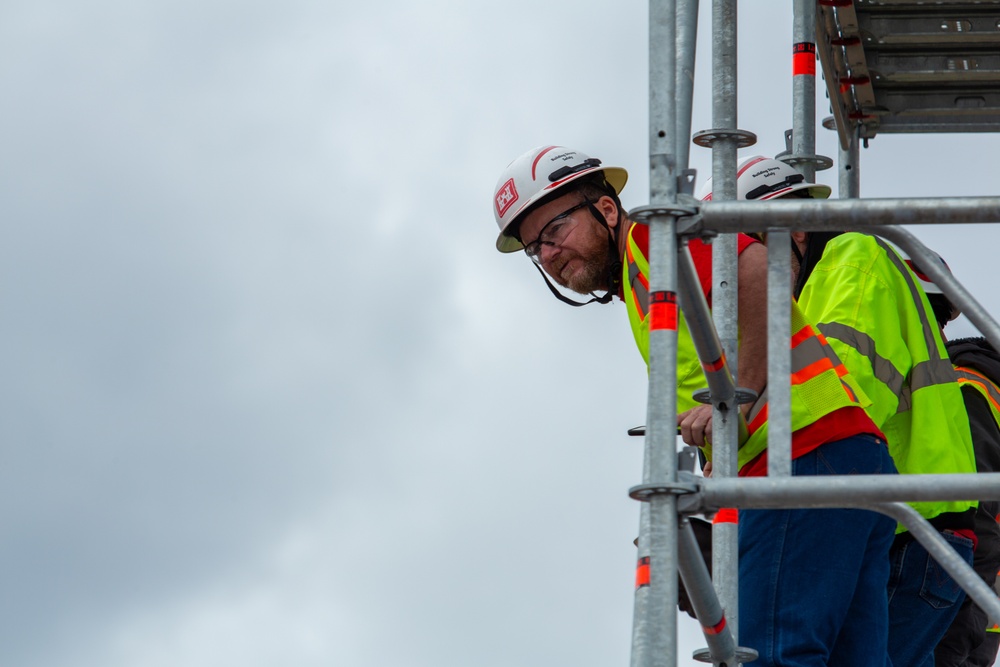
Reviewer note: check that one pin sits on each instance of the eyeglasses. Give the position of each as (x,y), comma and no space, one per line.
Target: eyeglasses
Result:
(762,190)
(552,235)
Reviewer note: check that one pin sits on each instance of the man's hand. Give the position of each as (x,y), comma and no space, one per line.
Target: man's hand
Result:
(696,425)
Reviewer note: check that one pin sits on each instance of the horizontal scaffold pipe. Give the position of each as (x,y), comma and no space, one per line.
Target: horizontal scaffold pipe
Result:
(839,490)
(840,214)
(940,276)
(945,555)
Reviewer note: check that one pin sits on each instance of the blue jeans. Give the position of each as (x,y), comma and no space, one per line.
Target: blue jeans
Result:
(923,601)
(813,581)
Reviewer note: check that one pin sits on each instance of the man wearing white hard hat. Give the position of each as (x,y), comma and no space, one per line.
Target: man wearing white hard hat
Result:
(871,311)
(806,596)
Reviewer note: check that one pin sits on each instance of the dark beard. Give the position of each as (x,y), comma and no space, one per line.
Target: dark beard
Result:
(594,275)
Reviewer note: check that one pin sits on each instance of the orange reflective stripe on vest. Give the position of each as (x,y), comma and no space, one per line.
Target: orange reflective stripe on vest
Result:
(637,283)
(981,382)
(811,357)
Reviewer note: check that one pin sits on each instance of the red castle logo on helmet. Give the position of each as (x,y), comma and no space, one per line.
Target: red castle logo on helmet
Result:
(505,197)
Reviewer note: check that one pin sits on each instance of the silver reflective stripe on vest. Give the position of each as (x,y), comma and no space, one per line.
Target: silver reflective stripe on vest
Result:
(925,324)
(927,373)
(810,351)
(924,374)
(934,371)
(884,371)
(641,293)
(804,354)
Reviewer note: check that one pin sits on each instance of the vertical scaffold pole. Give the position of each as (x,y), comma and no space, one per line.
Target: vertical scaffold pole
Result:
(779,362)
(725,430)
(804,87)
(779,288)
(849,169)
(654,636)
(687,42)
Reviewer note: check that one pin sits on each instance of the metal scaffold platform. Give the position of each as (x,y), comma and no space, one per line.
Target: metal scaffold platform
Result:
(890,67)
(899,66)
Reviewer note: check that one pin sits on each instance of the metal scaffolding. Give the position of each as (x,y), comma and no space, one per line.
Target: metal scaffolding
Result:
(670,491)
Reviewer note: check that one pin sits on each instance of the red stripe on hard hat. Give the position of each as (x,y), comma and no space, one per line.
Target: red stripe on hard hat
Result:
(921,275)
(748,165)
(776,194)
(804,59)
(537,158)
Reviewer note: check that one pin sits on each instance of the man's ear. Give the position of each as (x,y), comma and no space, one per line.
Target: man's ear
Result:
(606,205)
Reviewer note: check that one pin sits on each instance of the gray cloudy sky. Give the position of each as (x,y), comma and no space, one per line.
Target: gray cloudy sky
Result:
(270,395)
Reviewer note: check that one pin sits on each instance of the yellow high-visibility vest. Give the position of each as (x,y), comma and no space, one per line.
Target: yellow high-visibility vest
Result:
(867,303)
(820,383)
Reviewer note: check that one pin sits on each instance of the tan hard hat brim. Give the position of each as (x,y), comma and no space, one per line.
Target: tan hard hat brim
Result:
(615,176)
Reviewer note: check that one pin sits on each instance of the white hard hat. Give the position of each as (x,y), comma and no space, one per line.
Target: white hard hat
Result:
(760,178)
(928,285)
(537,174)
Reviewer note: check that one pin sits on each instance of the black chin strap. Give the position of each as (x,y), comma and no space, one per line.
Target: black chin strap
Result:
(797,252)
(614,264)
(605,298)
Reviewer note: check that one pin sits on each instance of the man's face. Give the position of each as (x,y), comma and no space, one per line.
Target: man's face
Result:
(575,248)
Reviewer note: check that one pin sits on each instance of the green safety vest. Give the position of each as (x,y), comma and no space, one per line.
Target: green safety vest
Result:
(869,306)
(690,376)
(820,383)
(967,377)
(982,384)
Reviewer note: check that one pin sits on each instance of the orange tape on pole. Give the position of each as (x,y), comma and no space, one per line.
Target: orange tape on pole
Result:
(663,311)
(715,629)
(716,365)
(642,573)
(804,59)
(727,515)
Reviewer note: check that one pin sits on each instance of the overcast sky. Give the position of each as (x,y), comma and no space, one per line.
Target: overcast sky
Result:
(270,395)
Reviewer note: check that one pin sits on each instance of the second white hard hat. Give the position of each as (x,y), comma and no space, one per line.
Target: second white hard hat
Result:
(760,178)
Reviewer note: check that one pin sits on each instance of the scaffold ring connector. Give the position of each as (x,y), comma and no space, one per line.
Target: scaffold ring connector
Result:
(643,492)
(743,655)
(741,395)
(820,162)
(644,214)
(706,138)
